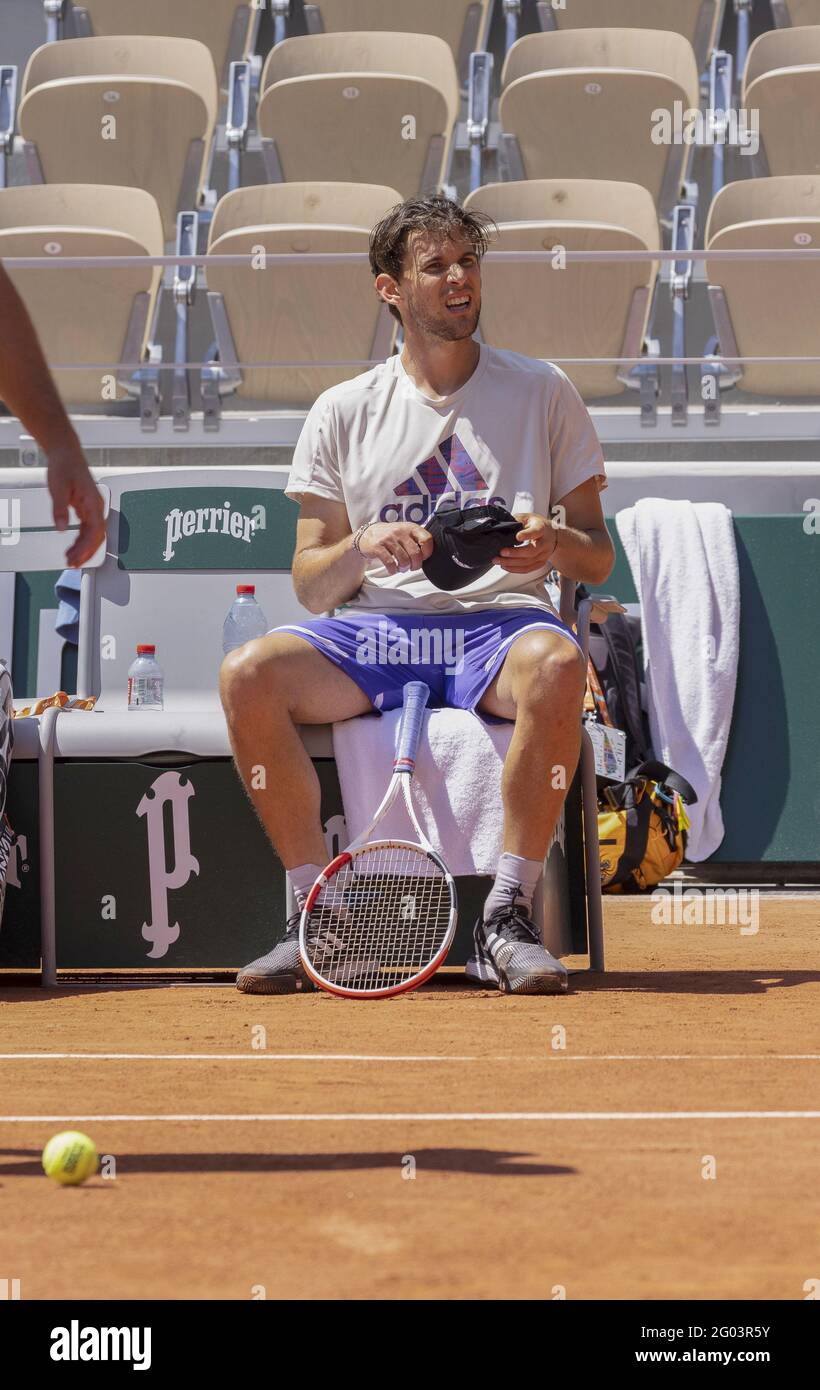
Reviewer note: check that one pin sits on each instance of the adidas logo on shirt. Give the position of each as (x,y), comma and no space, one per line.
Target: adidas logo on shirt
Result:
(457,478)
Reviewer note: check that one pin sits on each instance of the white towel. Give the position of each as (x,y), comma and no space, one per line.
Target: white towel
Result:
(456,787)
(684,564)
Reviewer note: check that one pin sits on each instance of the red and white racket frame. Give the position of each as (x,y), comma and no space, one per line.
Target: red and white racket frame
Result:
(404,765)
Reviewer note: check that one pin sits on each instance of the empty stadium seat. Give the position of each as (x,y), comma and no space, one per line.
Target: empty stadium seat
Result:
(579,104)
(767,308)
(697,20)
(795,12)
(782,82)
(379,107)
(225,26)
(582,310)
(463,24)
(316,314)
(95,315)
(136,111)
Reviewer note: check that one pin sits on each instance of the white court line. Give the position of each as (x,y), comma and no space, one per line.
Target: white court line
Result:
(425,1116)
(231,1057)
(263,1056)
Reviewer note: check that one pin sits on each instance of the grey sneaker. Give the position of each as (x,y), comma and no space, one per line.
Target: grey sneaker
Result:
(508,953)
(280,971)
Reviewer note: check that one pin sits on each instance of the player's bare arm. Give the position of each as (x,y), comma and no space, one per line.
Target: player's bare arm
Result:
(575,541)
(328,568)
(28,389)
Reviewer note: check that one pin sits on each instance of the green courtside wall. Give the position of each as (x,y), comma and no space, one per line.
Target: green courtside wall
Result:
(771,786)
(771,777)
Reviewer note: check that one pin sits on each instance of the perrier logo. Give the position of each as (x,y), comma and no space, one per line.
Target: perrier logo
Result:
(212,521)
(222,527)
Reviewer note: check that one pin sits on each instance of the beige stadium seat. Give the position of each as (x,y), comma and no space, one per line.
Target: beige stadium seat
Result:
(582,310)
(767,308)
(137,111)
(102,315)
(380,108)
(782,82)
(697,20)
(463,24)
(224,26)
(579,104)
(289,314)
(795,12)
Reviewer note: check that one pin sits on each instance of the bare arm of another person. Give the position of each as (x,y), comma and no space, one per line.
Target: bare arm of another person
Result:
(28,389)
(328,570)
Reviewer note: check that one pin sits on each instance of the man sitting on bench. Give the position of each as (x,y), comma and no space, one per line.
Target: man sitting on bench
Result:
(449,421)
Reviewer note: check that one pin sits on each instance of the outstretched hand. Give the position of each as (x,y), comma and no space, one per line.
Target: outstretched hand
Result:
(71,484)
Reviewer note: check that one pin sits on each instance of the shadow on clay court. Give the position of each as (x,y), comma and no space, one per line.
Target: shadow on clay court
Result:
(692,981)
(451,982)
(22,989)
(487,1162)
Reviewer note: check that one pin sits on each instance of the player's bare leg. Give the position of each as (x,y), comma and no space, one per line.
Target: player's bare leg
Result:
(268,688)
(540,686)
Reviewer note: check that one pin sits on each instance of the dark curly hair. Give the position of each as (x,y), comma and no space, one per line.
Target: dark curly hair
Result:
(436,214)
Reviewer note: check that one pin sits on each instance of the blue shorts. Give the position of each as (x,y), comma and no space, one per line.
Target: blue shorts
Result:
(456,654)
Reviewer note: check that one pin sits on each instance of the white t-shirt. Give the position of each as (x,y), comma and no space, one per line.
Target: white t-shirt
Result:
(390,453)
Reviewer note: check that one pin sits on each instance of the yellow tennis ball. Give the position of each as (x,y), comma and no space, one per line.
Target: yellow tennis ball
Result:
(70,1157)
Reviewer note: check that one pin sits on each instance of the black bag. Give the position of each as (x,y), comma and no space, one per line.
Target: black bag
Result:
(613,650)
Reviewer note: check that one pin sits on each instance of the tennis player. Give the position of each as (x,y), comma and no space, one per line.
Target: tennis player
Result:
(28,391)
(448,420)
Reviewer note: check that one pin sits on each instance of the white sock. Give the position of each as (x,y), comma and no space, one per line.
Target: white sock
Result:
(302,879)
(515,882)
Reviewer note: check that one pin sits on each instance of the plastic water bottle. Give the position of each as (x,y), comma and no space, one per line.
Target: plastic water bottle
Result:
(245,619)
(146,679)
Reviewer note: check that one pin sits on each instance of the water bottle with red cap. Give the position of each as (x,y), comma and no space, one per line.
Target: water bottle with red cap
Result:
(245,619)
(146,679)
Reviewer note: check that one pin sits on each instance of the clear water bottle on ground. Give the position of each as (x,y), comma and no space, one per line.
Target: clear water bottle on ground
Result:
(146,679)
(245,619)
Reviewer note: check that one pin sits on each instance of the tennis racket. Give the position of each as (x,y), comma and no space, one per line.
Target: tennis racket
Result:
(381,917)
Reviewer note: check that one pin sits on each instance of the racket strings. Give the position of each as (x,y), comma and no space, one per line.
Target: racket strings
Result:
(381,919)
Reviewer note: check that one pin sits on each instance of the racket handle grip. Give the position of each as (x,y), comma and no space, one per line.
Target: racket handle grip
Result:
(415,695)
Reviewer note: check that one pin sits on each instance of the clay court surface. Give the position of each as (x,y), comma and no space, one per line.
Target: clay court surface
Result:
(535,1167)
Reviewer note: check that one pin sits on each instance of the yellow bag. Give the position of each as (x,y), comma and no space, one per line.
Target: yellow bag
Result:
(642,828)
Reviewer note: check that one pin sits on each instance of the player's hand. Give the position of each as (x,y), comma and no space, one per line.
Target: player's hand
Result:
(70,483)
(535,545)
(399,545)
